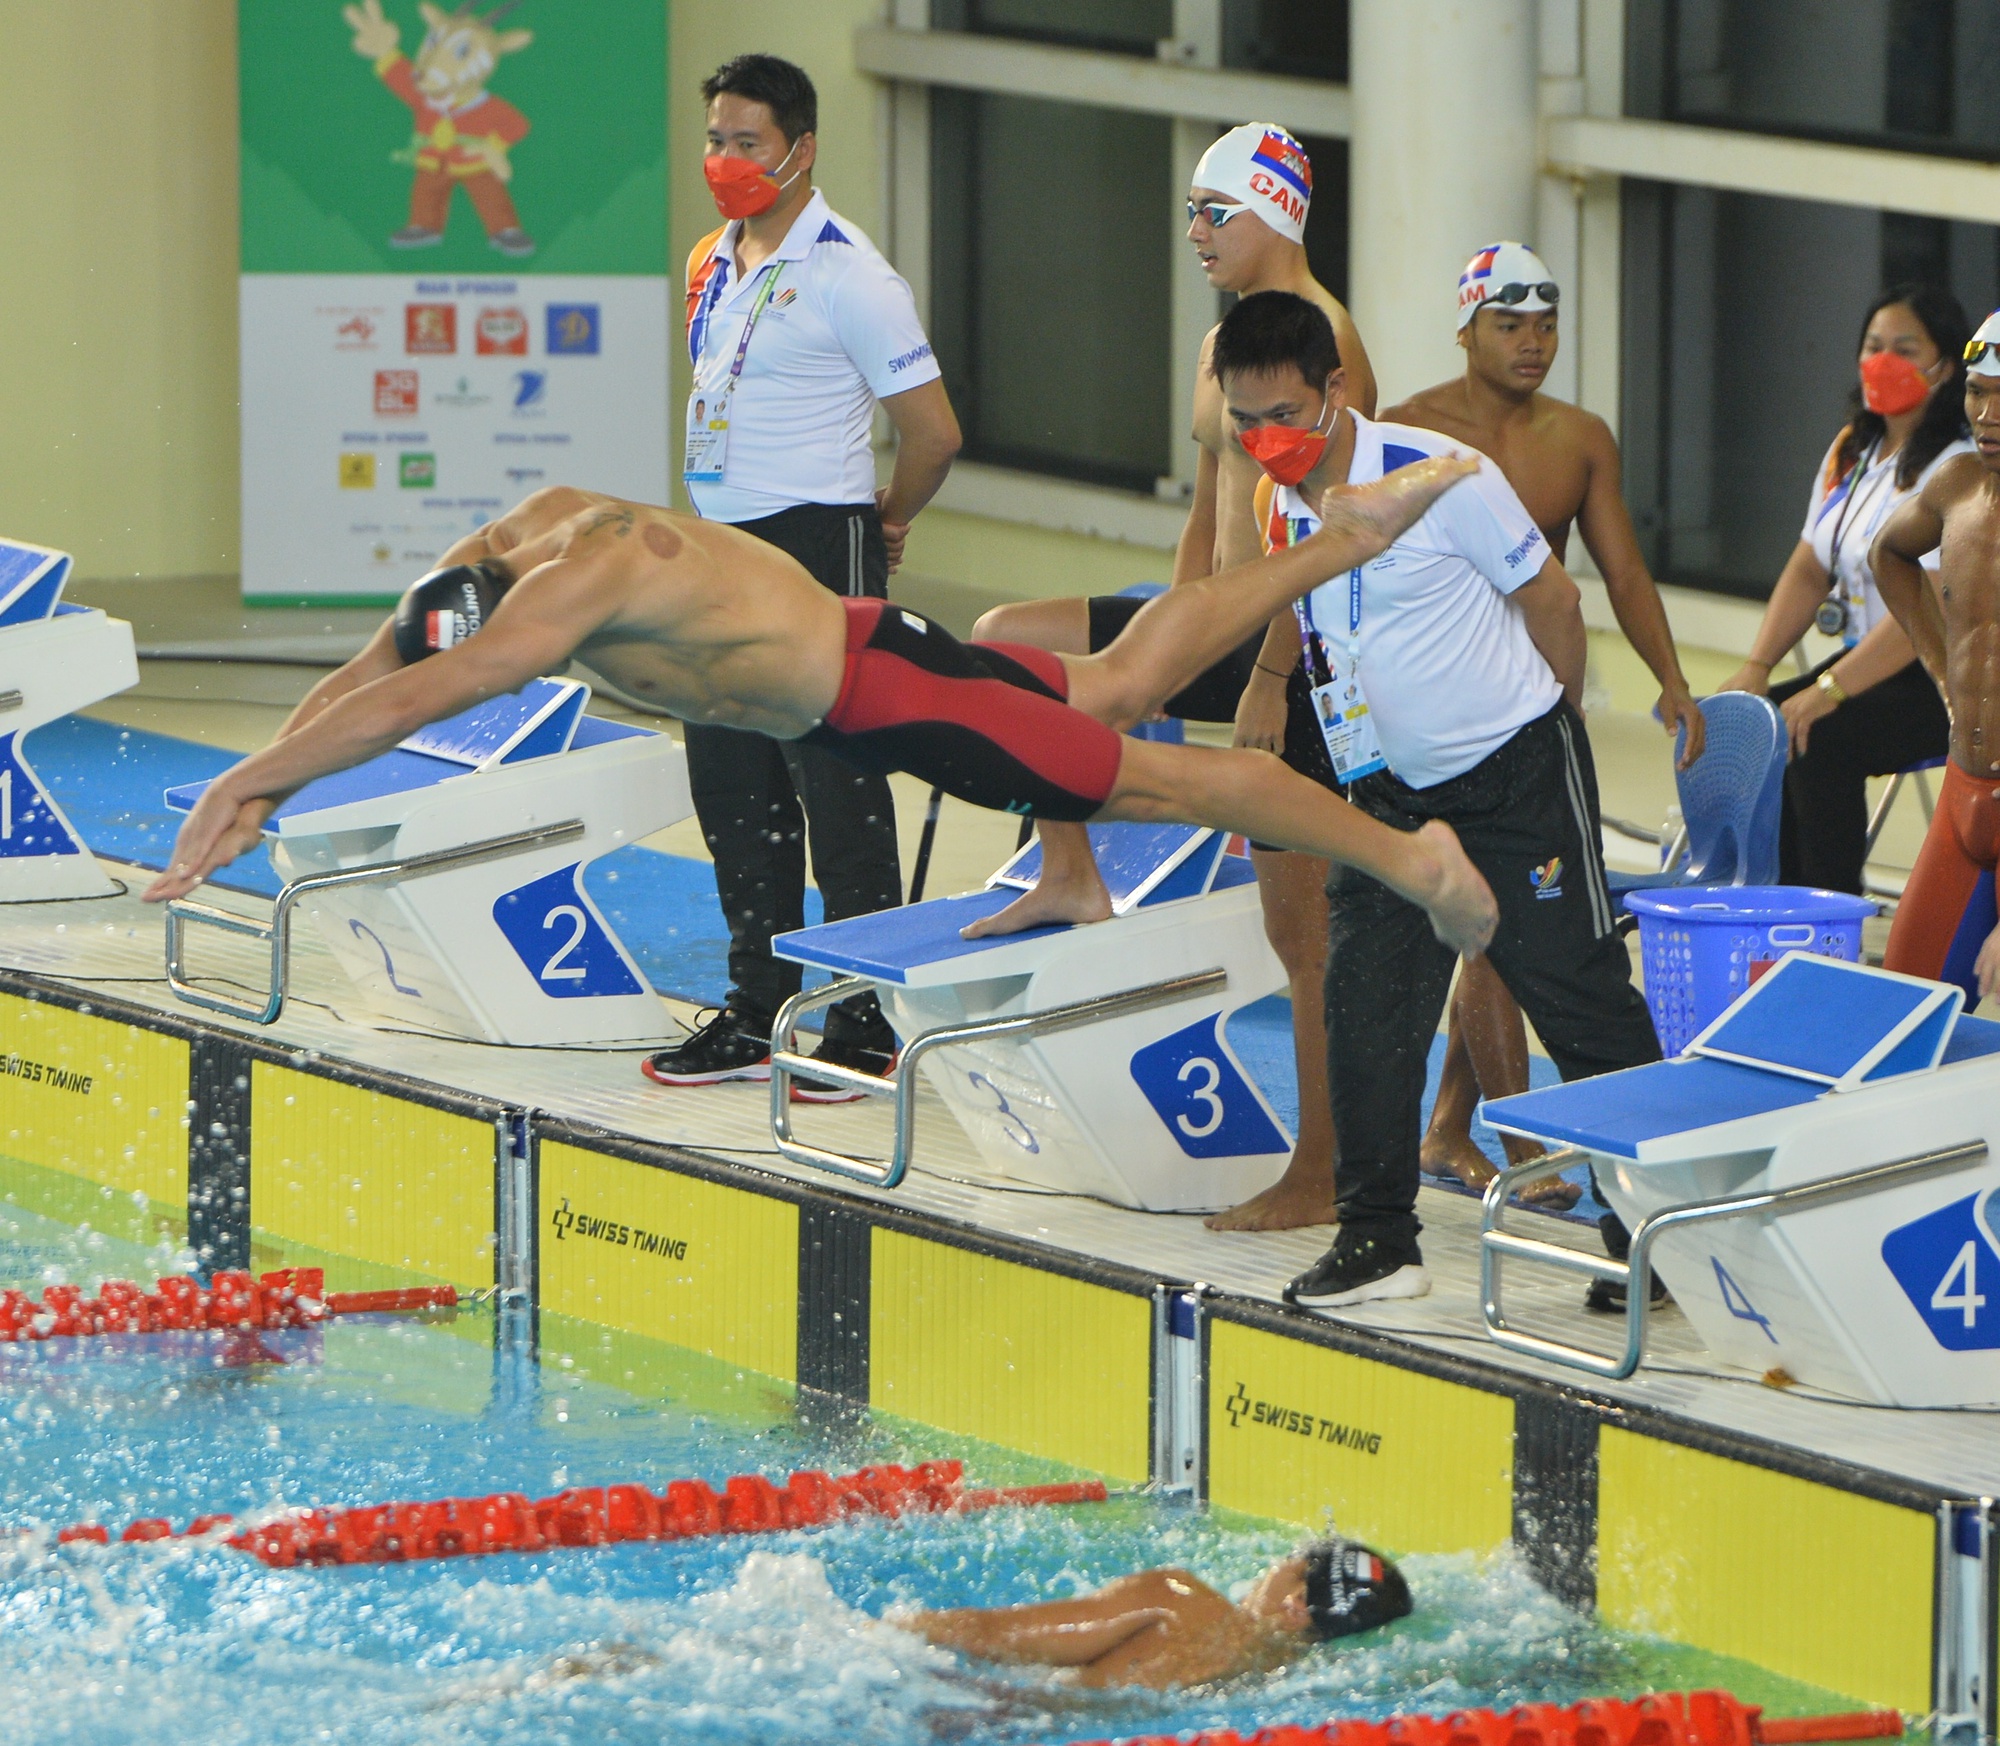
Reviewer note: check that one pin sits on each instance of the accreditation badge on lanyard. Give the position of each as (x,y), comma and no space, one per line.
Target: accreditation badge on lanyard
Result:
(707,449)
(1341,706)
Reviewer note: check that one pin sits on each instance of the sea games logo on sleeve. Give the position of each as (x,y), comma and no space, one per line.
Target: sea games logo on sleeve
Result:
(1297,1421)
(566,1224)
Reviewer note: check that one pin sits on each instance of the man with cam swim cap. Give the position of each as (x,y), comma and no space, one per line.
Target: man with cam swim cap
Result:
(1946,926)
(1563,464)
(1164,1628)
(796,329)
(1247,210)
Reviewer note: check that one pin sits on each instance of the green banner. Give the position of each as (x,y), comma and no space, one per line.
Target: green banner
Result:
(389,136)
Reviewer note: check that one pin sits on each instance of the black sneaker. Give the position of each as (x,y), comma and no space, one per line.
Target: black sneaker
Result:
(841,1054)
(1359,1269)
(726,1048)
(1607,1296)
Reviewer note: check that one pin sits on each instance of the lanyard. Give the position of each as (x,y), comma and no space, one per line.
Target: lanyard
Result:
(749,327)
(1854,482)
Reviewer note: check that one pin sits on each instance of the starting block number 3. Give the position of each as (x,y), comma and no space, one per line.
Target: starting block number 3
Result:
(1199,1092)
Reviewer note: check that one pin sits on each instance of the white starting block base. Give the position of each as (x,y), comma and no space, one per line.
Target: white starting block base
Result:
(1820,1071)
(506,950)
(54,659)
(1148,1109)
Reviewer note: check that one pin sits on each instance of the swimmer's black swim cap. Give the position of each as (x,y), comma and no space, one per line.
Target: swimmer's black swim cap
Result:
(1350,1588)
(444,608)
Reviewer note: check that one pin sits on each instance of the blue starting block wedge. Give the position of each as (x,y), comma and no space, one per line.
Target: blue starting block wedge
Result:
(1091,1060)
(54,658)
(1817,1180)
(474,920)
(1141,863)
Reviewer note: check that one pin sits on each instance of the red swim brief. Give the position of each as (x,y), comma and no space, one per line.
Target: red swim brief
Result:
(987,722)
(1948,904)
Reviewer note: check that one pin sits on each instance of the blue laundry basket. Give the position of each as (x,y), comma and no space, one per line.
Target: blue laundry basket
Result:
(1703,946)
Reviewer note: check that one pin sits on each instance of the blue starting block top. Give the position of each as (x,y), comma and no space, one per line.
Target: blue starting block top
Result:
(541,720)
(31,582)
(1811,1028)
(895,945)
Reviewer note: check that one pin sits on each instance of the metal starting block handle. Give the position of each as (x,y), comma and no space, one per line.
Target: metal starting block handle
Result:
(901,1082)
(1636,1274)
(278,930)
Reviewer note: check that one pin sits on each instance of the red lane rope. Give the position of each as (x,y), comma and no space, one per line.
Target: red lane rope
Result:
(289,1298)
(1700,1718)
(598,1515)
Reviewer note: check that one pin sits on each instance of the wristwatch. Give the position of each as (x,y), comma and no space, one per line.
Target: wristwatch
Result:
(1831,686)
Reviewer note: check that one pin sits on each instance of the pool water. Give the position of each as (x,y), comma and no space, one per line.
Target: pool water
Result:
(767,1639)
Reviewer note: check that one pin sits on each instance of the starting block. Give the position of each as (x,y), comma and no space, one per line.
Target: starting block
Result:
(53,659)
(1817,1180)
(1090,1060)
(440,917)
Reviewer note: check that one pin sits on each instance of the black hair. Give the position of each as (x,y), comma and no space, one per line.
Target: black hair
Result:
(1942,317)
(1271,329)
(781,87)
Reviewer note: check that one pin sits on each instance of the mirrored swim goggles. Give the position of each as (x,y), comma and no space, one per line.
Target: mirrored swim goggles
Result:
(1978,350)
(1217,212)
(1547,290)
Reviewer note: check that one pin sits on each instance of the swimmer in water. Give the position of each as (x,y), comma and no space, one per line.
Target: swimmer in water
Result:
(1164,1628)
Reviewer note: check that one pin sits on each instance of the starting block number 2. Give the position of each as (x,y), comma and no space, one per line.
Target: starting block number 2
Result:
(564,946)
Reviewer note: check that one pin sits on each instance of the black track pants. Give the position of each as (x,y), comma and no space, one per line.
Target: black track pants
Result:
(748,792)
(1528,818)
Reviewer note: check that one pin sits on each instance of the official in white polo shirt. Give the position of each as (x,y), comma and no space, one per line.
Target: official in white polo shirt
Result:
(1447,673)
(796,329)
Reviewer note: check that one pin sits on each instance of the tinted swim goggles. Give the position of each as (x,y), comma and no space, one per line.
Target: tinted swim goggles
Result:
(1217,212)
(1977,350)
(1547,290)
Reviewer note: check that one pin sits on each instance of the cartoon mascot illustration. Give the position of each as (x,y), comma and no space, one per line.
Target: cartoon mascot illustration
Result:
(463,135)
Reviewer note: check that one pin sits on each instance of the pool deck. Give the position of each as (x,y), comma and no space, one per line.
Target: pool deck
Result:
(112,949)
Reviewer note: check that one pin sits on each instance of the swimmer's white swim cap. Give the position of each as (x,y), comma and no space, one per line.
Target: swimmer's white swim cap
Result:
(1506,273)
(1982,352)
(1265,168)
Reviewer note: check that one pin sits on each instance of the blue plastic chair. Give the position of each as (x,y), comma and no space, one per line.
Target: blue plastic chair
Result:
(1731,800)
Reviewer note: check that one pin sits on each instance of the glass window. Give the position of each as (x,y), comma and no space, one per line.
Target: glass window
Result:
(1123,26)
(1306,39)
(1049,288)
(1742,324)
(1917,75)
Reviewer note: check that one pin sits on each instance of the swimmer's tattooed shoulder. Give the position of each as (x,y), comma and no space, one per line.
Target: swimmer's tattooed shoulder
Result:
(618,518)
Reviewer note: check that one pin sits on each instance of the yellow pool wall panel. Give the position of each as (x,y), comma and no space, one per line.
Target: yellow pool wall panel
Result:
(1814,1583)
(1038,1362)
(1301,1433)
(699,1265)
(382,1180)
(95,1098)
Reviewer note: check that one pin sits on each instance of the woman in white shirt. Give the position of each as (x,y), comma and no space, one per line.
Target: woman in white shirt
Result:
(1871,709)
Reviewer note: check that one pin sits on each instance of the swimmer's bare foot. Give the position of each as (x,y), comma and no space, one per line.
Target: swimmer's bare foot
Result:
(1070,889)
(1047,903)
(1457,1155)
(1296,1199)
(1456,895)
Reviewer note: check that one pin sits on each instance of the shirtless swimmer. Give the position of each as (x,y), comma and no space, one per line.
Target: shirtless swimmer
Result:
(712,625)
(1168,1627)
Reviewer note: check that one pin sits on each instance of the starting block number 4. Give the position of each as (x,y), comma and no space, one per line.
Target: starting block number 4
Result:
(1737,1302)
(1948,1264)
(557,935)
(1200,1093)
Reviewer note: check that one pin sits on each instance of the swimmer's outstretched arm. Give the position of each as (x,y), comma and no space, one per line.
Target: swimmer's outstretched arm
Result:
(1046,1634)
(534,631)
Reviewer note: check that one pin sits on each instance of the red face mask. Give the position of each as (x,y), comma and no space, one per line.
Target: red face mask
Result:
(1287,453)
(743,189)
(1891,384)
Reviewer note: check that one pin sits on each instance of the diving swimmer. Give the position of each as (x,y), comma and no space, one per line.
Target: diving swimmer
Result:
(1167,1627)
(713,625)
